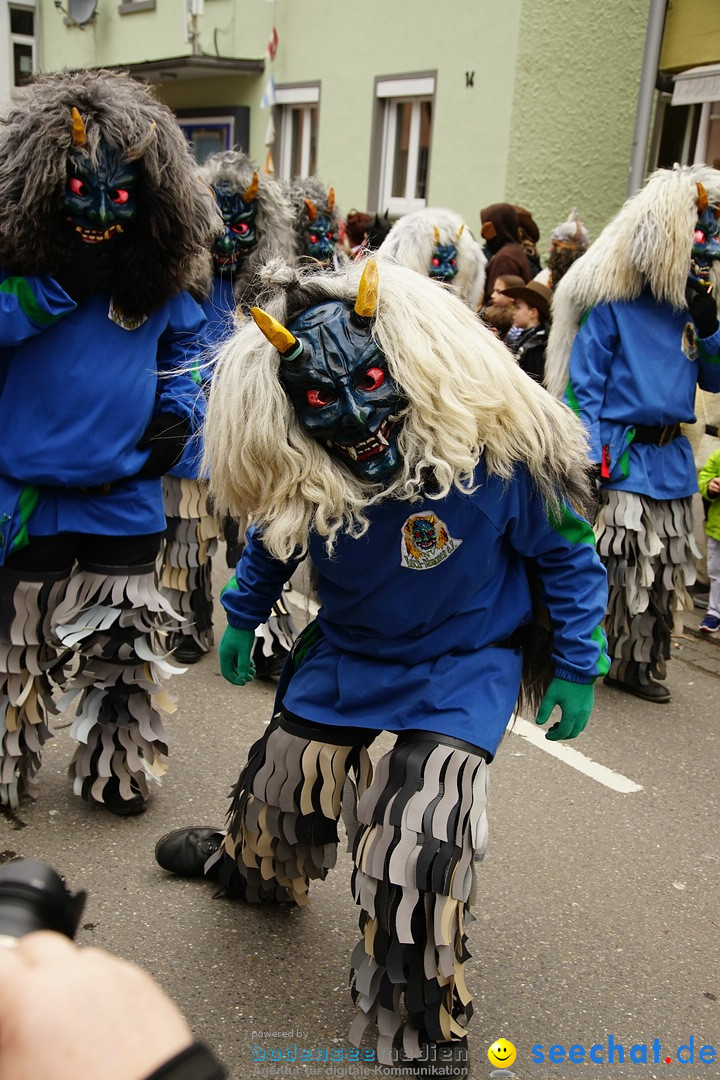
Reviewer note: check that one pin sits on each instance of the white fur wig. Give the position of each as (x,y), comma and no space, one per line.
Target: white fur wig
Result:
(649,242)
(412,239)
(466,397)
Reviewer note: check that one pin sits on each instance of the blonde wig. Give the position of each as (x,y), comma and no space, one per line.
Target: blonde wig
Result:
(648,243)
(465,398)
(413,238)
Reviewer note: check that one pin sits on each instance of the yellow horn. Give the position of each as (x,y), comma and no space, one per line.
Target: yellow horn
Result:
(459,233)
(286,344)
(79,135)
(702,199)
(436,234)
(251,191)
(311,209)
(331,200)
(367,296)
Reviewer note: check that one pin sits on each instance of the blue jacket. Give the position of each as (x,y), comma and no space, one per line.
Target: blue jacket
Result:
(640,362)
(411,612)
(77,391)
(219,310)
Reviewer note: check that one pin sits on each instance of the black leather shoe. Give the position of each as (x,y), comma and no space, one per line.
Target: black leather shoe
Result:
(649,691)
(443,1061)
(185,851)
(187,650)
(112,800)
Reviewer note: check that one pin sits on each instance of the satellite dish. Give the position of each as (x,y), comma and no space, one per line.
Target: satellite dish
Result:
(81,11)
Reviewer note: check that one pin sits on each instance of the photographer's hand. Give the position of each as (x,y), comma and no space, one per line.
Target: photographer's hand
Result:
(78,1014)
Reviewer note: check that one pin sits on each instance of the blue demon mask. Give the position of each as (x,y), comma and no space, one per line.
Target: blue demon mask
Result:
(338,382)
(101,202)
(239,237)
(443,264)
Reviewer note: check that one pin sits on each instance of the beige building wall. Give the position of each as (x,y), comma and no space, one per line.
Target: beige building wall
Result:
(574,106)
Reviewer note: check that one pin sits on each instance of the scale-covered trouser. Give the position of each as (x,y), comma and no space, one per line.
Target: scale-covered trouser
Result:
(419,824)
(86,611)
(190,541)
(648,548)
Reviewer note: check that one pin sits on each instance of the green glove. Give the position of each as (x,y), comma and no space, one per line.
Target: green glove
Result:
(235,650)
(575,701)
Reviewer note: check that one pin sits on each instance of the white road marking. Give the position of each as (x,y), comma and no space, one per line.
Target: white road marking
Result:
(572,757)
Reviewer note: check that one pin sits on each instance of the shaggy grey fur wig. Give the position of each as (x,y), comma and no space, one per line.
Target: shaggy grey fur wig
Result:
(177,218)
(649,242)
(273,215)
(309,187)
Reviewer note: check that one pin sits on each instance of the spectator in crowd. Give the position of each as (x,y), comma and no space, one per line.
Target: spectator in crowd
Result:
(498,314)
(501,232)
(532,318)
(568,241)
(529,236)
(709,485)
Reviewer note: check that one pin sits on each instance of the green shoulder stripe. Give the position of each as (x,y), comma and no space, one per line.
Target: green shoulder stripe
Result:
(573,528)
(18,286)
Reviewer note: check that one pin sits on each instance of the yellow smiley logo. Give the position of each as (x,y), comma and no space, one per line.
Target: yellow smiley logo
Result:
(502,1054)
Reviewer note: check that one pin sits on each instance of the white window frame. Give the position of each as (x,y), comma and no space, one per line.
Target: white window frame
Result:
(288,100)
(22,39)
(415,91)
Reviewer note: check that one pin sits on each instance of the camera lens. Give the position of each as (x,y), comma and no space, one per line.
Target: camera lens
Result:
(33,896)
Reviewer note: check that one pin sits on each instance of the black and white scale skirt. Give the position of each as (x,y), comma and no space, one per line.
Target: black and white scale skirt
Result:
(190,542)
(648,549)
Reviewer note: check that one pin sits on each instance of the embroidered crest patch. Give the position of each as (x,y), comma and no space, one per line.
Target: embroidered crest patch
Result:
(689,341)
(426,542)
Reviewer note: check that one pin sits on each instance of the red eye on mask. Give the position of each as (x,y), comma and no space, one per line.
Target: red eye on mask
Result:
(436,262)
(313,238)
(77,186)
(373,379)
(241,229)
(699,236)
(319,398)
(120,196)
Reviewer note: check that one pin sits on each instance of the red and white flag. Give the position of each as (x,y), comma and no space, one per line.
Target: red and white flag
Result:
(272,44)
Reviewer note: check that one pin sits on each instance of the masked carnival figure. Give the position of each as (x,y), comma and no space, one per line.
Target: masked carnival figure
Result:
(438,243)
(102,217)
(376,394)
(257,224)
(568,241)
(635,333)
(318,224)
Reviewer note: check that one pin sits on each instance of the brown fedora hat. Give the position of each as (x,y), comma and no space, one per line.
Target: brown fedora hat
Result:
(534,294)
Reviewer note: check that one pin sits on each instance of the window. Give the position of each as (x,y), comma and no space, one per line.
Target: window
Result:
(212,130)
(22,44)
(687,125)
(404,125)
(297,127)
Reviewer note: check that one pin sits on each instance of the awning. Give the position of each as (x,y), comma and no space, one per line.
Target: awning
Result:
(697,85)
(191,67)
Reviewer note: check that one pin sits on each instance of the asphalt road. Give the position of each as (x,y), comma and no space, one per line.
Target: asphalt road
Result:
(597,914)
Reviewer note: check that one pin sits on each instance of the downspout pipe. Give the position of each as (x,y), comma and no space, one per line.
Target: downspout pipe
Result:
(646,93)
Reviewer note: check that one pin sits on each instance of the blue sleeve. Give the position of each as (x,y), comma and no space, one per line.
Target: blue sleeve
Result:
(29,305)
(179,387)
(572,577)
(590,361)
(259,580)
